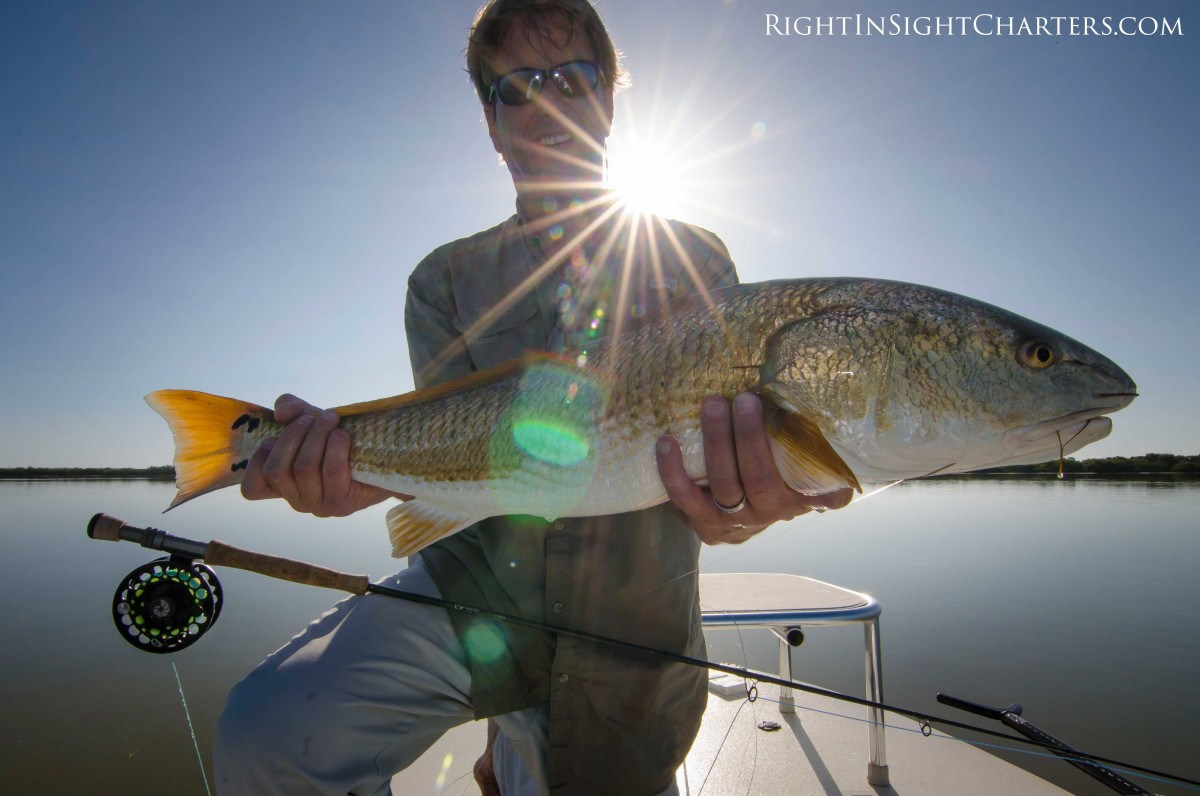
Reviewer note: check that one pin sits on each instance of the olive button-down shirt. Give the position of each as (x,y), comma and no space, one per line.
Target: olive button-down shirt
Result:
(619,722)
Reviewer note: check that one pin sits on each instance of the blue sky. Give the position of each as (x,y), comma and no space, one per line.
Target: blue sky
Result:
(230,196)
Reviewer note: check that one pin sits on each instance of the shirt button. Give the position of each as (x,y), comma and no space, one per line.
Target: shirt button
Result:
(562,678)
(558,608)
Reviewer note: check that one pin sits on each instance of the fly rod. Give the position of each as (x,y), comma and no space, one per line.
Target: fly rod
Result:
(1011,717)
(165,606)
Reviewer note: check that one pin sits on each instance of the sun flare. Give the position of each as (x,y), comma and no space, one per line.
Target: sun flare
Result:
(649,179)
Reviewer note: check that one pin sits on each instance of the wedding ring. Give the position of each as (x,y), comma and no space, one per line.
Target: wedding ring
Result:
(734,509)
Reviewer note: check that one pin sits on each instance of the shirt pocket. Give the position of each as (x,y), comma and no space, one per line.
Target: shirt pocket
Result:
(507,337)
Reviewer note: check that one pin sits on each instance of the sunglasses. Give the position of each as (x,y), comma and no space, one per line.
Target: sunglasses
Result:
(572,79)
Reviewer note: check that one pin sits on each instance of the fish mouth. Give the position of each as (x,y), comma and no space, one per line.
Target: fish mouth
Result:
(1123,399)
(1105,403)
(1058,436)
(1061,436)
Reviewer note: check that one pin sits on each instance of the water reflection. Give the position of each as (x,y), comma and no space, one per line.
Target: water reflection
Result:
(1076,598)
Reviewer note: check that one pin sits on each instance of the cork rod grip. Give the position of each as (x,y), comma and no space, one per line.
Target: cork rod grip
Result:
(221,554)
(105,528)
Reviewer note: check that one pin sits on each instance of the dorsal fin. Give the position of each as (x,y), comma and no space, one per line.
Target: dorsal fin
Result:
(465,383)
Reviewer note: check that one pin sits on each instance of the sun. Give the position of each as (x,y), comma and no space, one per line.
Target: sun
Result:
(649,178)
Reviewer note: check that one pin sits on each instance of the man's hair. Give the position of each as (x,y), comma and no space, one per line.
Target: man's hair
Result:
(497,18)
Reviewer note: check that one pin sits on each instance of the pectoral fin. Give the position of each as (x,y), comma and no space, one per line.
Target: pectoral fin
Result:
(804,457)
(415,524)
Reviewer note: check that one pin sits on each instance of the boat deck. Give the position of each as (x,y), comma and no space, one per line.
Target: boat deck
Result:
(822,749)
(817,750)
(824,746)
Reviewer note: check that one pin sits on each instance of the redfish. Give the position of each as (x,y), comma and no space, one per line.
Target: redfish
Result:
(863,382)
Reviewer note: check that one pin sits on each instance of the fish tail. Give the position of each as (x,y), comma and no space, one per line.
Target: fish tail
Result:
(214,438)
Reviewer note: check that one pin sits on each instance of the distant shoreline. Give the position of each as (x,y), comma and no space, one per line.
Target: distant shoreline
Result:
(166,473)
(1151,464)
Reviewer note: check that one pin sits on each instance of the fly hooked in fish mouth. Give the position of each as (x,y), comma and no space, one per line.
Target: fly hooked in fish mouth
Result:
(1062,444)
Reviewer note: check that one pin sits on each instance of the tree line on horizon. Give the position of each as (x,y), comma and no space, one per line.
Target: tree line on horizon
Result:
(164,473)
(1150,463)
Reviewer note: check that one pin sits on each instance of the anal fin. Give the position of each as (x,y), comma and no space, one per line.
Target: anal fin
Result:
(804,457)
(414,524)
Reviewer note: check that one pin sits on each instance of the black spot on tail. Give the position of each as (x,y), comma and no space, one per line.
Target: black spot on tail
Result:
(239,466)
(249,422)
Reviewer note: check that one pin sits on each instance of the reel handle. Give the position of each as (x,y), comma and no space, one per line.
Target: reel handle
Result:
(216,553)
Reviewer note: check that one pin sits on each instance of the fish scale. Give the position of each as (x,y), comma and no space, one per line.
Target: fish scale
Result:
(862,381)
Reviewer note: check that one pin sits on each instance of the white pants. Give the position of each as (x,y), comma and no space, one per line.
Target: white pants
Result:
(360,694)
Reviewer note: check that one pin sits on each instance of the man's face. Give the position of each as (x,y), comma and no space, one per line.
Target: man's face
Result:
(552,139)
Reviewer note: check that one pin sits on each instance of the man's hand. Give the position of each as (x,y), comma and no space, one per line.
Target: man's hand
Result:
(741,472)
(308,465)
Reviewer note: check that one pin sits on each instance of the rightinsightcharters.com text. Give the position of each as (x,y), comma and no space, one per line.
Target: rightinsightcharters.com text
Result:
(970,25)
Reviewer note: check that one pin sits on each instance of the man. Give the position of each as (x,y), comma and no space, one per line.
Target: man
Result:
(368,687)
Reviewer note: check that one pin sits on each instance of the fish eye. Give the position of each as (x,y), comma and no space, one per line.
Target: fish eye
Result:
(1037,354)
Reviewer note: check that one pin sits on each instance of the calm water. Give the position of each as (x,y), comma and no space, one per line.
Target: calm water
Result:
(1077,599)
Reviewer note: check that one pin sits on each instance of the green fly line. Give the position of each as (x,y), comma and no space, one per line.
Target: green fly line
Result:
(188,715)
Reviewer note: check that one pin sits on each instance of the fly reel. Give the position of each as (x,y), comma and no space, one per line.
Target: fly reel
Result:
(166,605)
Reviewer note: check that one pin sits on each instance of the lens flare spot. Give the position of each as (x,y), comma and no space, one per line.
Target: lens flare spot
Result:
(550,440)
(447,761)
(556,232)
(758,129)
(484,643)
(549,205)
(546,440)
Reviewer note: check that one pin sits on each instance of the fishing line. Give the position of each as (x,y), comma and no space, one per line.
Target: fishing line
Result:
(984,744)
(942,736)
(1062,453)
(171,604)
(187,714)
(772,533)
(732,721)
(746,673)
(1062,446)
(1034,753)
(937,736)
(793,523)
(720,748)
(754,735)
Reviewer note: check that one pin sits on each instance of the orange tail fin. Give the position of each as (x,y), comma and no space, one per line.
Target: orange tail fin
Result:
(214,438)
